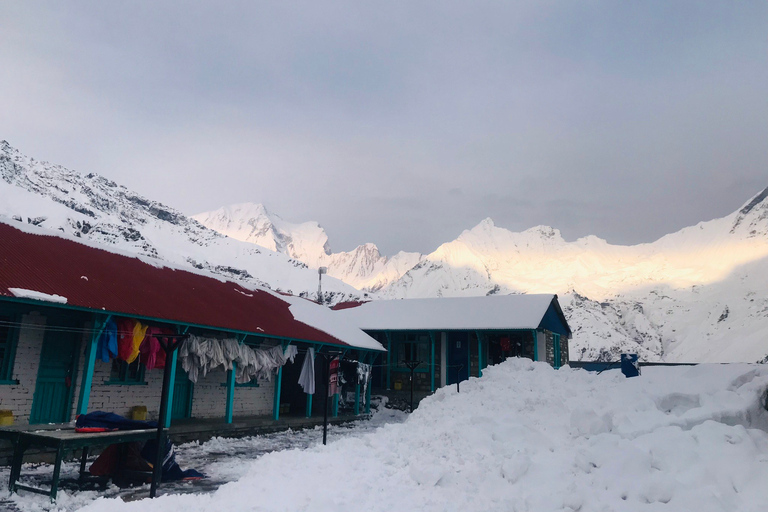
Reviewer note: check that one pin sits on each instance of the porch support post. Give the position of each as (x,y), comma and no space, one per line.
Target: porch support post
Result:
(389,359)
(90,362)
(230,392)
(230,406)
(432,361)
(369,386)
(357,398)
(336,395)
(278,386)
(535,345)
(479,353)
(174,358)
(469,358)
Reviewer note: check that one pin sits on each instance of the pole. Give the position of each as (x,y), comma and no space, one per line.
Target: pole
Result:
(412,365)
(169,344)
(458,373)
(432,362)
(327,391)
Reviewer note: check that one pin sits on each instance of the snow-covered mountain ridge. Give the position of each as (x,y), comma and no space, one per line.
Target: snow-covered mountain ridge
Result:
(696,294)
(93,207)
(363,267)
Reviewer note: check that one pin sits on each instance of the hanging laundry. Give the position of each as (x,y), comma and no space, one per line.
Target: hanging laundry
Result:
(291,351)
(333,378)
(139,333)
(106,346)
(124,337)
(307,376)
(363,376)
(152,353)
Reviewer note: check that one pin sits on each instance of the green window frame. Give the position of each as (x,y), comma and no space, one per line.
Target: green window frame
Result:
(125,374)
(9,340)
(412,347)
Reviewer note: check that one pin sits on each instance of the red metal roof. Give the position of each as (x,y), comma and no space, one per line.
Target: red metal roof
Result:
(348,304)
(104,281)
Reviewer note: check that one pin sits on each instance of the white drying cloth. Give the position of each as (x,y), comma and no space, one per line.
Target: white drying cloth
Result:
(200,355)
(307,377)
(363,376)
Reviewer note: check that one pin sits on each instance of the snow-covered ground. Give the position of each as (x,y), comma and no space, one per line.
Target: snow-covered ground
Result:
(526,437)
(222,460)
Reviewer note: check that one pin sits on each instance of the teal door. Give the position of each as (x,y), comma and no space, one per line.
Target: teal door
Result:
(52,401)
(182,395)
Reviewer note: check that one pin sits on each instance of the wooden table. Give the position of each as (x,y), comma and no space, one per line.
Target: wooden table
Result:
(62,438)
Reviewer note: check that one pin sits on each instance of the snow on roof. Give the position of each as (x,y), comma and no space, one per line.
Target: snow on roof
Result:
(489,312)
(40,265)
(32,294)
(325,320)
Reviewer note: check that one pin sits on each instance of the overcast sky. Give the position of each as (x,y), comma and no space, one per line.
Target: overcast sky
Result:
(403,123)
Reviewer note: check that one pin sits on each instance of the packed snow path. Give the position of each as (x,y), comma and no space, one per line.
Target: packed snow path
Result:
(221,460)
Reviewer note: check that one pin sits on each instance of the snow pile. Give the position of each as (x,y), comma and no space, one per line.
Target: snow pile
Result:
(527,437)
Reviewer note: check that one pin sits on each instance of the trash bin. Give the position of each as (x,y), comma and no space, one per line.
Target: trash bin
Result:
(630,366)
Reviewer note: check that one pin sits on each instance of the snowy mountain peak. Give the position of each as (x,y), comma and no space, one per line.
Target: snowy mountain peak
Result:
(252,222)
(753,216)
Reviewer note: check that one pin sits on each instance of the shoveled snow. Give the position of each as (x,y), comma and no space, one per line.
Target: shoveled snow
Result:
(526,437)
(32,294)
(492,312)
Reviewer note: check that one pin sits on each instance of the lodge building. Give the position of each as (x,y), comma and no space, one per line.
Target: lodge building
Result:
(62,300)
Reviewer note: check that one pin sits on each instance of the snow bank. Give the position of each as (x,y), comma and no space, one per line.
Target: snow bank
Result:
(526,437)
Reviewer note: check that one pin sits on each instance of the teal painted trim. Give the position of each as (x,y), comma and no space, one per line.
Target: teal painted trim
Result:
(336,405)
(357,399)
(90,362)
(535,346)
(181,329)
(11,382)
(230,393)
(49,305)
(389,359)
(278,388)
(432,361)
(169,409)
(276,403)
(373,356)
(469,358)
(479,353)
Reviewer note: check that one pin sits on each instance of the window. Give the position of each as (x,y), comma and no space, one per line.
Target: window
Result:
(124,373)
(9,336)
(413,347)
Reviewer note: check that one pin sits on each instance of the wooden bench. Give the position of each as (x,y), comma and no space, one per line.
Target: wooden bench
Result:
(62,438)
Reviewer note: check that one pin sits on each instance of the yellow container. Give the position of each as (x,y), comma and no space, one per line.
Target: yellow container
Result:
(6,418)
(398,385)
(139,413)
